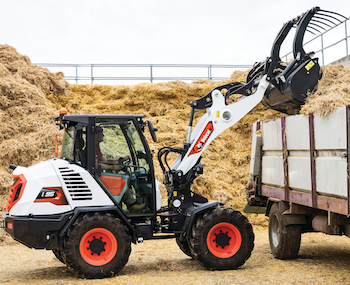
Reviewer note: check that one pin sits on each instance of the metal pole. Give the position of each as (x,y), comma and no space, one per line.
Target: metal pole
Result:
(76,74)
(92,74)
(322,50)
(346,38)
(151,73)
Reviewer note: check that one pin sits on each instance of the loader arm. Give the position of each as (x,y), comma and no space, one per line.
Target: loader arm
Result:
(219,117)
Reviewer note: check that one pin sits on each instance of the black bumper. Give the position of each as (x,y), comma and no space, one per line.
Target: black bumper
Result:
(37,231)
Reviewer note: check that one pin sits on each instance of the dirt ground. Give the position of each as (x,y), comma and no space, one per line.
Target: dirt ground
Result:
(323,259)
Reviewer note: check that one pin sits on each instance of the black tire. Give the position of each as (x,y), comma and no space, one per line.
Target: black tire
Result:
(284,240)
(184,246)
(97,246)
(59,254)
(222,239)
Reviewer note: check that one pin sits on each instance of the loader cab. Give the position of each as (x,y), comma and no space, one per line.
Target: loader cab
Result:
(115,152)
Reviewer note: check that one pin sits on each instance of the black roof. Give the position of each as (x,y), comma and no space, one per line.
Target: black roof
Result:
(85,118)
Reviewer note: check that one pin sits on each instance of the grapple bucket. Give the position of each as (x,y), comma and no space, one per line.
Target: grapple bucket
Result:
(289,97)
(290,83)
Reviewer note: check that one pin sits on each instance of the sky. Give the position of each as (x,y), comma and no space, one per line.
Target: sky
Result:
(152,31)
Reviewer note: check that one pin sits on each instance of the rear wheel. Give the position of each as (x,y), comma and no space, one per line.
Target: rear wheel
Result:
(284,240)
(97,246)
(222,239)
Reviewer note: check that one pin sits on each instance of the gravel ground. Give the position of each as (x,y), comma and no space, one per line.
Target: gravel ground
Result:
(322,259)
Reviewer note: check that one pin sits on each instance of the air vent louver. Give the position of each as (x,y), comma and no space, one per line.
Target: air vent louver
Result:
(75,184)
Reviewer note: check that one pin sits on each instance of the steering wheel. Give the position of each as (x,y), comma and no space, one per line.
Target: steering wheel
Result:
(123,163)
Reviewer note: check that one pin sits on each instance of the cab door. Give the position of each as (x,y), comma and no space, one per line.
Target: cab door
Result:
(124,165)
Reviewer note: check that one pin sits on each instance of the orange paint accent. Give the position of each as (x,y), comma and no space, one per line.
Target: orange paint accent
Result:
(60,198)
(9,226)
(203,138)
(105,256)
(235,240)
(18,186)
(114,184)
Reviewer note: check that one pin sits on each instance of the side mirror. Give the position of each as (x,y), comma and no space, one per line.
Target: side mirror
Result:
(152,130)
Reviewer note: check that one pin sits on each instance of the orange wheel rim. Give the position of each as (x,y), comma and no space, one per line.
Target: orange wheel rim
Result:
(224,240)
(98,246)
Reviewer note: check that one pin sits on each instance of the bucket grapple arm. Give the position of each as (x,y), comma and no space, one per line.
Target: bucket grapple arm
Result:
(290,83)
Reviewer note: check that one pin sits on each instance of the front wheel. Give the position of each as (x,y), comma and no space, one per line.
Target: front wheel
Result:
(284,239)
(97,246)
(184,246)
(58,254)
(222,239)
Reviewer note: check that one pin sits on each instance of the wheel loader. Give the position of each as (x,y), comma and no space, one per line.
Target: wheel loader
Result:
(101,195)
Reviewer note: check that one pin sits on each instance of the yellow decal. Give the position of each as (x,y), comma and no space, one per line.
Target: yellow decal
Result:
(309,65)
(175,193)
(217,114)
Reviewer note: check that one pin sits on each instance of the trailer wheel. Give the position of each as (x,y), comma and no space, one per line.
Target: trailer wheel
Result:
(222,239)
(97,246)
(184,246)
(284,240)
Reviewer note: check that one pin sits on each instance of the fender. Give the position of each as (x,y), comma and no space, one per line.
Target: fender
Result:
(192,213)
(105,209)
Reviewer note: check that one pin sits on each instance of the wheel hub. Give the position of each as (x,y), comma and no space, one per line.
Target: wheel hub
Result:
(96,245)
(222,239)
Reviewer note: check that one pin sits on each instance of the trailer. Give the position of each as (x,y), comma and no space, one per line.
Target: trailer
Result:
(299,177)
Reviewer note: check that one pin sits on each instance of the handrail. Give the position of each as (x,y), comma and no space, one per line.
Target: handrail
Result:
(322,49)
(92,67)
(152,67)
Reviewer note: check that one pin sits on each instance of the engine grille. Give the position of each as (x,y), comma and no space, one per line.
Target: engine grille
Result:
(75,184)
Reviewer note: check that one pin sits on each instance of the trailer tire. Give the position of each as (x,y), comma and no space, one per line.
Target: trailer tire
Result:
(284,239)
(222,239)
(97,246)
(184,246)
